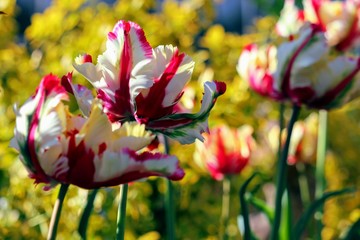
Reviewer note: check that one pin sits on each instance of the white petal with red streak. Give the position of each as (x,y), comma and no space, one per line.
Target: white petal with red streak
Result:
(310,57)
(163,56)
(21,130)
(116,164)
(196,123)
(333,74)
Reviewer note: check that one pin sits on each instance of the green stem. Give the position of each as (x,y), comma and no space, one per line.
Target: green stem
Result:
(121,217)
(225,207)
(55,217)
(320,167)
(282,174)
(244,208)
(170,211)
(281,127)
(169,201)
(86,214)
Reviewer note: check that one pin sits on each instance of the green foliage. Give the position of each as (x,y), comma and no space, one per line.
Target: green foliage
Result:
(68,28)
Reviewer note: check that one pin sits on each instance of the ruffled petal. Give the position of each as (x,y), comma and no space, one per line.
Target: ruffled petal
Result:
(186,127)
(97,129)
(83,95)
(93,73)
(124,166)
(298,62)
(257,66)
(172,71)
(131,135)
(39,123)
(337,83)
(122,71)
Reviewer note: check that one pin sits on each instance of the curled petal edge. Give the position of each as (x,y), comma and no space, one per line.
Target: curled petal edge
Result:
(186,127)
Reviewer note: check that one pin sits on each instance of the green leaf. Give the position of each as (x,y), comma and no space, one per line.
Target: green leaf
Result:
(354,231)
(286,218)
(244,207)
(261,206)
(302,222)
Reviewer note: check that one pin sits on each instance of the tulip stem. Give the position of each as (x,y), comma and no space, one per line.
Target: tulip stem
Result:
(121,217)
(320,167)
(170,213)
(55,217)
(86,214)
(169,200)
(282,175)
(225,207)
(281,127)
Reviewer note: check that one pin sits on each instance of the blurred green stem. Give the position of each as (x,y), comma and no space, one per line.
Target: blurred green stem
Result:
(282,175)
(247,235)
(169,200)
(84,221)
(320,167)
(281,127)
(225,207)
(170,211)
(121,217)
(55,217)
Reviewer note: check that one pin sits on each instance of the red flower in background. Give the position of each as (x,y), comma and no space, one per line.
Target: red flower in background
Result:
(257,65)
(340,20)
(307,73)
(225,151)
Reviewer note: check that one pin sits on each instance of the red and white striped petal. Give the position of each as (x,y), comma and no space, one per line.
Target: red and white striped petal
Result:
(345,32)
(298,62)
(225,151)
(337,83)
(308,74)
(114,168)
(83,95)
(39,124)
(340,20)
(186,127)
(122,71)
(257,65)
(172,71)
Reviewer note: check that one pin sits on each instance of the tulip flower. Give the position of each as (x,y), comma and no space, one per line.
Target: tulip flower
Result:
(257,66)
(138,83)
(290,21)
(340,20)
(57,146)
(308,74)
(303,140)
(225,151)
